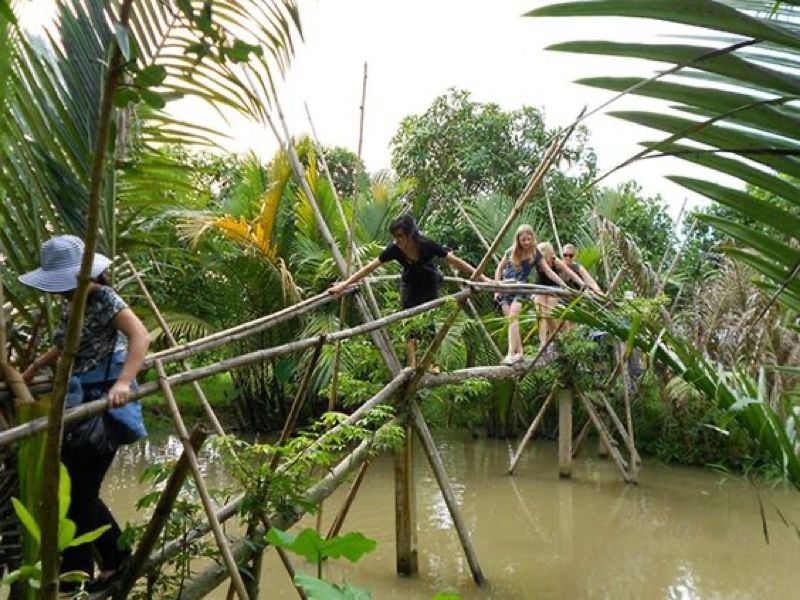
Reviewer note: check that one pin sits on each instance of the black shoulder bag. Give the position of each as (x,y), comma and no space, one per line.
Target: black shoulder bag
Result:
(96,433)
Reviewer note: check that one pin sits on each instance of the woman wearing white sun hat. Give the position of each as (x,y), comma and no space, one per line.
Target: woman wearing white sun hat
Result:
(102,366)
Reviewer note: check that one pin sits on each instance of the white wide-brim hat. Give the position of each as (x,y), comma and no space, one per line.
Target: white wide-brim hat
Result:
(61,262)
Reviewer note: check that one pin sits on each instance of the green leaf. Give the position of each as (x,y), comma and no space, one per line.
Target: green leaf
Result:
(697,13)
(204,21)
(351,546)
(185,6)
(66,533)
(150,76)
(123,40)
(153,99)
(64,486)
(73,576)
(6,11)
(446,596)
(307,543)
(124,95)
(760,210)
(240,51)
(89,537)
(317,589)
(27,520)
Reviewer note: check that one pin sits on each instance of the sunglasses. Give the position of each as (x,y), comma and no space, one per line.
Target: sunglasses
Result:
(569,255)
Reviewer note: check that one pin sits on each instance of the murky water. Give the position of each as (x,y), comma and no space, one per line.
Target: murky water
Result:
(681,533)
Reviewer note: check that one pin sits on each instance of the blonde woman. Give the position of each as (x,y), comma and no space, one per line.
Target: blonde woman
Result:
(515,267)
(546,265)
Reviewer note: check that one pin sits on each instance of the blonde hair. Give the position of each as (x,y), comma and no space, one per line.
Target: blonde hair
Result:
(516,252)
(546,249)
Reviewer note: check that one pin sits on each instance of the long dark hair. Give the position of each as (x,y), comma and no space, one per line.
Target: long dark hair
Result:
(407,225)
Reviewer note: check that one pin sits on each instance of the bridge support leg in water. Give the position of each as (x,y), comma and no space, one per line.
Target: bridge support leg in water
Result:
(426,439)
(565,433)
(405,507)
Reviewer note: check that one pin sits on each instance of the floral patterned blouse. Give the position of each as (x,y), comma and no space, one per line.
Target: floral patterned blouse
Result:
(99,337)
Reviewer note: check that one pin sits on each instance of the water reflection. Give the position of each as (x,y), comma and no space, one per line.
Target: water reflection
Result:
(681,533)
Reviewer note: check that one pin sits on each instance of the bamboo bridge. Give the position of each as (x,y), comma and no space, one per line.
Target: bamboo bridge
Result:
(400,392)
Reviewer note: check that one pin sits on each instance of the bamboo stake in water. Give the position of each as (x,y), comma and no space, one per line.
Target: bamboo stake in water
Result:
(200,483)
(532,429)
(159,519)
(439,472)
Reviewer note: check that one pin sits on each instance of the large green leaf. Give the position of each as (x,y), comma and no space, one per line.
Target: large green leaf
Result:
(760,210)
(733,68)
(697,13)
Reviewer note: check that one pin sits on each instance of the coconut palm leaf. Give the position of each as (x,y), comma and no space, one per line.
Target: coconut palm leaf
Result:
(746,98)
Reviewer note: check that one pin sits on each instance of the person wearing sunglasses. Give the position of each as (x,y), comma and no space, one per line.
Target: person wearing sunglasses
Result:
(569,252)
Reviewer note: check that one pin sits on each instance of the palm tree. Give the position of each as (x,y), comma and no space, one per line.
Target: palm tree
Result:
(751,46)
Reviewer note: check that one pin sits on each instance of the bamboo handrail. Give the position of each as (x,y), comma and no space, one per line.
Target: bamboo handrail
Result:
(84,410)
(220,338)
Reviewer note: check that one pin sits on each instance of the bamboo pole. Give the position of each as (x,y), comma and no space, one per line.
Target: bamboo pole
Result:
(405,506)
(338,522)
(532,429)
(584,431)
(626,395)
(297,403)
(373,304)
(620,429)
(158,521)
(200,483)
(612,450)
(428,445)
(52,454)
(199,392)
(380,338)
(552,219)
(565,433)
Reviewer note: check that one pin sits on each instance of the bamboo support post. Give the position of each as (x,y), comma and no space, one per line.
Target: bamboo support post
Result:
(584,431)
(626,395)
(532,429)
(297,403)
(338,522)
(202,490)
(405,507)
(428,445)
(623,434)
(605,439)
(565,433)
(158,521)
(199,392)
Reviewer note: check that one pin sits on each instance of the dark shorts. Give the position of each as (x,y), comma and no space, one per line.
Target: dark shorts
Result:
(509,299)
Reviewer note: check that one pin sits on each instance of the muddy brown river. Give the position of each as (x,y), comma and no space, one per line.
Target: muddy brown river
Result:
(682,533)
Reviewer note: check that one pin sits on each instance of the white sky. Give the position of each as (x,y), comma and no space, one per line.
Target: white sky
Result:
(417,49)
